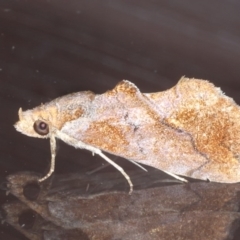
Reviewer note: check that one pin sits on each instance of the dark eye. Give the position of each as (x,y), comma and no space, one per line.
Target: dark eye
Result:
(41,127)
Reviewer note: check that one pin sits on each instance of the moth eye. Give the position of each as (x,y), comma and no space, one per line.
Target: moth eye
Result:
(41,127)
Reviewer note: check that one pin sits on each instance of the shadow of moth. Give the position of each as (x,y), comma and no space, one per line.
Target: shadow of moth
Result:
(191,129)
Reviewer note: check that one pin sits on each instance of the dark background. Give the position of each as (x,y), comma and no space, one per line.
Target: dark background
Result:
(51,48)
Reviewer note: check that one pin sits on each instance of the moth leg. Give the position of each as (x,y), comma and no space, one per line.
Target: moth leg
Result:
(53,156)
(120,169)
(79,144)
(176,176)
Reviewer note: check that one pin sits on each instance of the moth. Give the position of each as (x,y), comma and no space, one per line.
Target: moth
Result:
(191,129)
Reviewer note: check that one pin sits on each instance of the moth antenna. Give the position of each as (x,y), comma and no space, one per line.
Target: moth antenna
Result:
(176,176)
(98,169)
(144,169)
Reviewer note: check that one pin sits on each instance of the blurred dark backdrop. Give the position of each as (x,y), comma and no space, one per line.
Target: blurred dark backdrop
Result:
(49,48)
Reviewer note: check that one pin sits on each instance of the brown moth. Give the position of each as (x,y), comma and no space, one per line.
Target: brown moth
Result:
(191,129)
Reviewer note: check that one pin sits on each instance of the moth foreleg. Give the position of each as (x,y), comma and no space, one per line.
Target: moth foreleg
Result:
(53,156)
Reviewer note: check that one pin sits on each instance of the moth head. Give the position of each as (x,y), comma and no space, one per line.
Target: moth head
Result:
(32,123)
